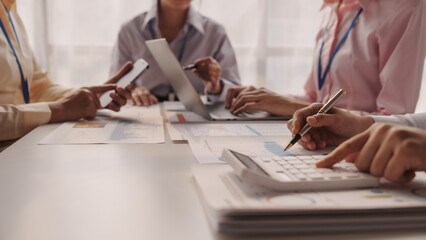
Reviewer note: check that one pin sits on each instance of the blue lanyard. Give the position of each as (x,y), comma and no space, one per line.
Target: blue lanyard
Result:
(24,83)
(182,49)
(321,78)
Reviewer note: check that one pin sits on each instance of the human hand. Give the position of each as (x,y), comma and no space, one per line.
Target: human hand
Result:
(234,92)
(329,129)
(209,71)
(261,99)
(81,103)
(121,95)
(141,96)
(385,150)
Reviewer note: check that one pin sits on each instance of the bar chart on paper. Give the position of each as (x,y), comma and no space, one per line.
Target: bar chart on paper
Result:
(209,149)
(194,130)
(130,125)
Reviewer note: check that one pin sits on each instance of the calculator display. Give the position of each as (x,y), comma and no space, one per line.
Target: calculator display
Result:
(249,163)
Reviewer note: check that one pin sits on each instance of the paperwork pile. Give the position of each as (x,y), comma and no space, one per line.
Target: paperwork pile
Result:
(235,207)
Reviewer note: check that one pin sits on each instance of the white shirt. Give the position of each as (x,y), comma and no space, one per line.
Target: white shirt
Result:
(204,38)
(16,117)
(417,120)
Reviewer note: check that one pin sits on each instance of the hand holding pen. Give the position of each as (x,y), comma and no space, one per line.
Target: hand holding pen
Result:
(333,100)
(208,70)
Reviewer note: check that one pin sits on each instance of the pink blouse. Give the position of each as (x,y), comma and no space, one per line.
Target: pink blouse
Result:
(380,64)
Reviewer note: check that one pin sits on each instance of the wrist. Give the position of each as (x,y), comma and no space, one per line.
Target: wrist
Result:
(295,104)
(366,122)
(56,111)
(217,88)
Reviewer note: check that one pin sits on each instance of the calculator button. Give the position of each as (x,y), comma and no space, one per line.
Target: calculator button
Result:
(301,176)
(318,157)
(352,168)
(290,158)
(333,176)
(308,170)
(295,161)
(350,175)
(270,167)
(324,170)
(310,161)
(283,177)
(301,166)
(315,176)
(293,170)
(265,159)
(304,157)
(287,166)
(281,162)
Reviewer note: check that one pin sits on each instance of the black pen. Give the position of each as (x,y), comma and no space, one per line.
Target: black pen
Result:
(330,103)
(189,67)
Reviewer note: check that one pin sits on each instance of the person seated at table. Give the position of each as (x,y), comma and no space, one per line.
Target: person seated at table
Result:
(393,146)
(375,50)
(28,98)
(193,38)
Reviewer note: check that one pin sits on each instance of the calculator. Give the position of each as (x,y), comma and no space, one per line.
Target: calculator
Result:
(297,173)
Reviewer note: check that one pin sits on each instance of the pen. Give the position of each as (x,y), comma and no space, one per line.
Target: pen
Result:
(189,67)
(330,103)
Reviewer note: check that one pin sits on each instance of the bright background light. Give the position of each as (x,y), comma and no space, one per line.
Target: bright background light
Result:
(273,39)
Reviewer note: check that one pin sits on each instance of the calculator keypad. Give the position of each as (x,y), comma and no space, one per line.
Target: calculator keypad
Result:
(302,168)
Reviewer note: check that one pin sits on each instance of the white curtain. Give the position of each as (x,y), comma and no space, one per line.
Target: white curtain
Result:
(273,39)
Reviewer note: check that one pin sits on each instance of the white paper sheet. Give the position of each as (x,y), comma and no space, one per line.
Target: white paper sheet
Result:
(209,149)
(187,131)
(130,125)
(174,106)
(183,117)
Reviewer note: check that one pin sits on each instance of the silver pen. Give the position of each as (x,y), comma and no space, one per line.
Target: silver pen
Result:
(189,67)
(330,104)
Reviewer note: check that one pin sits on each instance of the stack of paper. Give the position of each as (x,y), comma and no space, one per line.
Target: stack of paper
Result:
(236,207)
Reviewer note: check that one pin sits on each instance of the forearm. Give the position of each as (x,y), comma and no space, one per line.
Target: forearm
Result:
(295,104)
(18,120)
(43,90)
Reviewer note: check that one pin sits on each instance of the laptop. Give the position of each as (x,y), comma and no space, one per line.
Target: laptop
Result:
(187,94)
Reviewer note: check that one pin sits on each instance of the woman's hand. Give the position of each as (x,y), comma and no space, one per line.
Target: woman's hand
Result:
(84,102)
(141,96)
(328,129)
(121,95)
(261,99)
(209,71)
(384,150)
(81,103)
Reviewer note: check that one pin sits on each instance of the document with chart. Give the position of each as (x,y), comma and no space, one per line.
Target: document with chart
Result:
(130,125)
(188,131)
(209,149)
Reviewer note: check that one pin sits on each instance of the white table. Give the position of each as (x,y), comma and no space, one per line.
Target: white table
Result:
(126,192)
